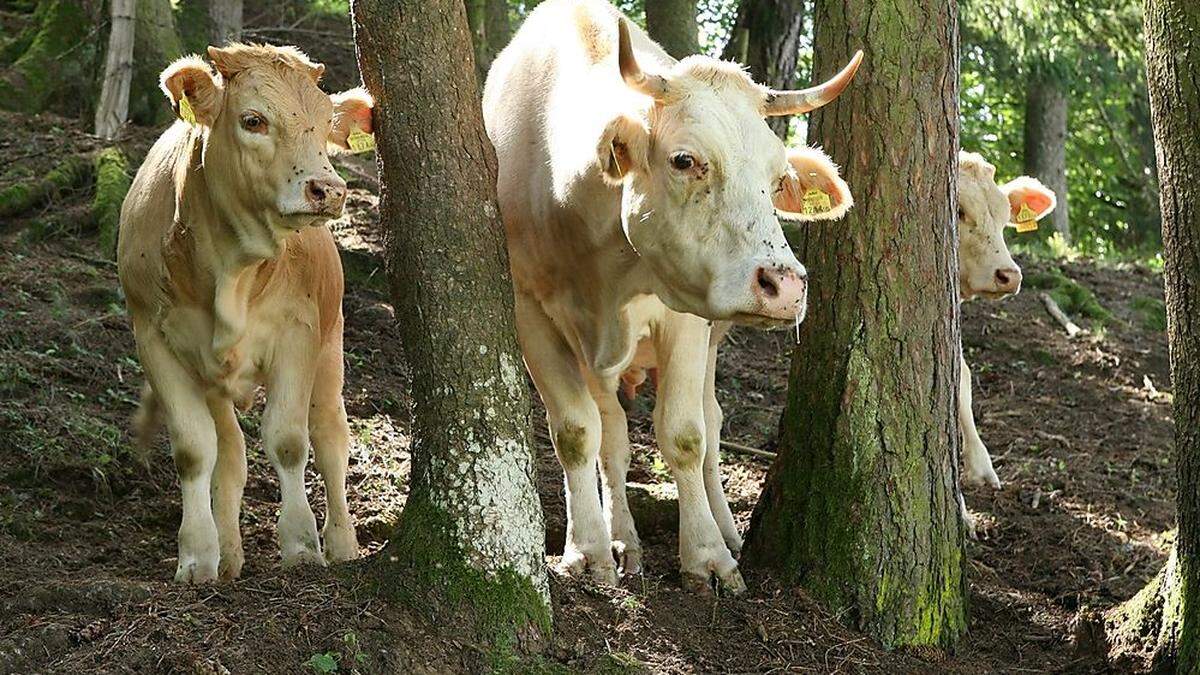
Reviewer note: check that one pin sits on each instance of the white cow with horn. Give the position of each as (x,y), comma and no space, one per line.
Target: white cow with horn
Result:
(641,199)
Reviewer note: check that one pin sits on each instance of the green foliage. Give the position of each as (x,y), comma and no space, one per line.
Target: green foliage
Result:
(1072,297)
(56,71)
(112,183)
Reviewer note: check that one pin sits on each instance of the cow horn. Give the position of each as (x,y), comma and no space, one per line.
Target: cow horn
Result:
(804,100)
(654,86)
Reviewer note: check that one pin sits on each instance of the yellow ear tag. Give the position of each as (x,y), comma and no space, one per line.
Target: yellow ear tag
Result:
(1026,219)
(815,201)
(185,111)
(360,141)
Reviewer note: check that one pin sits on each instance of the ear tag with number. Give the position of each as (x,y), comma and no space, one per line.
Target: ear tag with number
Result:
(360,141)
(1026,219)
(185,111)
(815,201)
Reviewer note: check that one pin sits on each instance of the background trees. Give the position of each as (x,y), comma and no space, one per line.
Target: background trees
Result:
(860,507)
(471,530)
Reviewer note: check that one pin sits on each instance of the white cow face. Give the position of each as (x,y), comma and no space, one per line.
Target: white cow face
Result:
(704,183)
(268,128)
(985,266)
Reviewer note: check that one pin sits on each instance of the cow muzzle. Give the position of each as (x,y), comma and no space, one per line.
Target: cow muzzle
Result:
(325,196)
(780,293)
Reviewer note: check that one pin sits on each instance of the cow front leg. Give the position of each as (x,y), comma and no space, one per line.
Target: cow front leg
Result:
(229,482)
(679,425)
(713,419)
(614,465)
(193,437)
(975,454)
(575,428)
(330,434)
(286,440)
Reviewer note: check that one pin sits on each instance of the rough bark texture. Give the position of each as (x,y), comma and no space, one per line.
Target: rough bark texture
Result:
(672,24)
(861,505)
(766,39)
(1162,623)
(490,32)
(113,107)
(155,45)
(1046,143)
(472,528)
(226,17)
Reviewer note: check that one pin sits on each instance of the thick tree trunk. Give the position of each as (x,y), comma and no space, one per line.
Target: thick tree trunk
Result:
(226,18)
(57,69)
(1162,623)
(1046,143)
(113,108)
(472,528)
(861,507)
(766,39)
(156,44)
(672,24)
(490,32)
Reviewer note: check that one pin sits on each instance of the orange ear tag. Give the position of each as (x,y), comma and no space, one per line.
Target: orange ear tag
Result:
(360,141)
(1026,219)
(185,111)
(815,202)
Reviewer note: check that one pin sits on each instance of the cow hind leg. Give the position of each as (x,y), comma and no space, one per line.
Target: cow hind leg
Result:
(229,482)
(331,447)
(614,464)
(285,437)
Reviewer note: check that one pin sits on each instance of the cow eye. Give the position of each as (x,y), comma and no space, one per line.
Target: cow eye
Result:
(254,123)
(681,161)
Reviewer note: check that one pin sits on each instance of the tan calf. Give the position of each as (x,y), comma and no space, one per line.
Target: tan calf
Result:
(233,281)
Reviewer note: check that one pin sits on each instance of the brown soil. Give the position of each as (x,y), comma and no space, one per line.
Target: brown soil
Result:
(1080,430)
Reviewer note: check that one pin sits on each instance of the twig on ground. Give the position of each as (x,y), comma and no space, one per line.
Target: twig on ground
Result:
(747,450)
(1060,316)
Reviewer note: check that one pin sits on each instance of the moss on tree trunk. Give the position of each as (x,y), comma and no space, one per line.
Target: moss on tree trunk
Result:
(1162,623)
(471,532)
(112,184)
(156,45)
(861,506)
(57,69)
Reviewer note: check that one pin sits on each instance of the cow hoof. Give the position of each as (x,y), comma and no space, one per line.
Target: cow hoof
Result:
(983,476)
(735,547)
(194,571)
(715,583)
(575,564)
(340,544)
(629,557)
(303,556)
(231,564)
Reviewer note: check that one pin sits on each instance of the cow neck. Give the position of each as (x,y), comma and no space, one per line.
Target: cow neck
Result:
(231,268)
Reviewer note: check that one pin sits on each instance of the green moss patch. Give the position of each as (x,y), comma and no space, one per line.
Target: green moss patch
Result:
(1152,313)
(1072,297)
(112,184)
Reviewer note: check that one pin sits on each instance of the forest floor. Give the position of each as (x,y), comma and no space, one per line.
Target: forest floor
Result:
(1080,430)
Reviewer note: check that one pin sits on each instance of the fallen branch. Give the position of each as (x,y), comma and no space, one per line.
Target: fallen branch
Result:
(71,173)
(1060,316)
(747,450)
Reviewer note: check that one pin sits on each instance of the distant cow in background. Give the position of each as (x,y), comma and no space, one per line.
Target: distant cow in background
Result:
(986,268)
(233,281)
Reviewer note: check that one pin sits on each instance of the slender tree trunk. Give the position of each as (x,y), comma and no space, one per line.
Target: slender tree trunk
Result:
(226,17)
(672,24)
(1162,623)
(156,44)
(766,39)
(113,108)
(490,32)
(472,528)
(1046,143)
(861,505)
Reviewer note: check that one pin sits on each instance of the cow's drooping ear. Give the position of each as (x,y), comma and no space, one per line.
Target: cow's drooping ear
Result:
(622,149)
(194,93)
(812,189)
(1028,199)
(351,112)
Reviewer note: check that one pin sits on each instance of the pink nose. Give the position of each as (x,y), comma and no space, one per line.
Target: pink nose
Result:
(781,292)
(1008,280)
(326,195)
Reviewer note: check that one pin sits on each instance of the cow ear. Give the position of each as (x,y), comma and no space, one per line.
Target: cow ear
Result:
(351,112)
(1027,195)
(194,92)
(812,188)
(622,149)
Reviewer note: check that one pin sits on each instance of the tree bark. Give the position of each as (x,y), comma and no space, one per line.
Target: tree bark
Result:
(472,528)
(155,45)
(1046,143)
(672,24)
(113,108)
(226,17)
(861,505)
(766,39)
(490,32)
(57,69)
(1162,623)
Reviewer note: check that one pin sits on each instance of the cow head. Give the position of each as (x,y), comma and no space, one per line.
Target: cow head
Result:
(704,181)
(267,129)
(985,266)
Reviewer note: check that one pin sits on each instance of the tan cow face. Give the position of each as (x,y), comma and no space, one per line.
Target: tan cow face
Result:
(985,266)
(704,182)
(267,131)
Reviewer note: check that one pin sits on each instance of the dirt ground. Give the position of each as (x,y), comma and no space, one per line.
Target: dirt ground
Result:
(1080,430)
